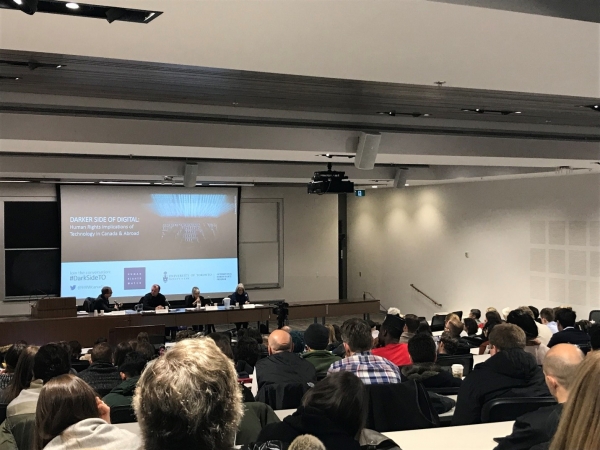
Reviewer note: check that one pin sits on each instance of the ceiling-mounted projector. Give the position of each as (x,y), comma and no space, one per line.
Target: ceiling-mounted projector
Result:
(330,182)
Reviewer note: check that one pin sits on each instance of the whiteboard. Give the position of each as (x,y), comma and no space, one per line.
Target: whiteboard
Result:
(261,243)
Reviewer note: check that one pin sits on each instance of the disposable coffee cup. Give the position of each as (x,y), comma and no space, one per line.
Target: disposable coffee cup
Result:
(101,312)
(226,302)
(457,370)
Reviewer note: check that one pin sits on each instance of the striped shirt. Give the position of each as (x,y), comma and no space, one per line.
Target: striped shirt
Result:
(369,368)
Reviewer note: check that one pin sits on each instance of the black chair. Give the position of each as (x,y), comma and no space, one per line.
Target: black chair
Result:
(444,390)
(585,348)
(399,407)
(88,305)
(595,315)
(438,322)
(505,409)
(80,365)
(3,407)
(465,360)
(283,395)
(122,414)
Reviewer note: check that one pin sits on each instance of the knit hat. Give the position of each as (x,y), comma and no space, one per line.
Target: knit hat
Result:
(316,336)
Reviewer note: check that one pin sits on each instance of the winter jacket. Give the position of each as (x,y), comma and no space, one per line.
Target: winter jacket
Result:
(122,395)
(284,367)
(321,359)
(103,377)
(430,375)
(509,373)
(94,434)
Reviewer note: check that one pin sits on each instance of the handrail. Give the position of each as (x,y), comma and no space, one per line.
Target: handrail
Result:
(425,295)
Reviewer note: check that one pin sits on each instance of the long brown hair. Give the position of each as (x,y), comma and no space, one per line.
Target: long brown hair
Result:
(64,401)
(23,375)
(579,426)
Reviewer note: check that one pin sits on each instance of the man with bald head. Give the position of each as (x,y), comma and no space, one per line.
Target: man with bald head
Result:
(539,426)
(282,366)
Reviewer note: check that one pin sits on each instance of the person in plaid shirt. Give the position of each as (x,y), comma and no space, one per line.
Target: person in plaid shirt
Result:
(371,369)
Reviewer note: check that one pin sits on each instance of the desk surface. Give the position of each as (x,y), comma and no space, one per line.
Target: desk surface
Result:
(468,437)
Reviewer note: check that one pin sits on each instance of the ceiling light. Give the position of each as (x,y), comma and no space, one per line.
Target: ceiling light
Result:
(374,187)
(517,112)
(72,5)
(406,184)
(18,2)
(150,16)
(59,66)
(426,115)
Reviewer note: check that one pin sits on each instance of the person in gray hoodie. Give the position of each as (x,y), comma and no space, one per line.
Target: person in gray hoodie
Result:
(70,414)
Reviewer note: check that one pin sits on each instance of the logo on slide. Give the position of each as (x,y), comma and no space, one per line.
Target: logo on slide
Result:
(135,278)
(73,287)
(165,277)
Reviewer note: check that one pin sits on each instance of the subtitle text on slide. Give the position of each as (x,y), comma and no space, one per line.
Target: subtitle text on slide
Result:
(103,226)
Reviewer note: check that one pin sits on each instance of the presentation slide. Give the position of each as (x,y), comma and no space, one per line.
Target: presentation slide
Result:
(131,237)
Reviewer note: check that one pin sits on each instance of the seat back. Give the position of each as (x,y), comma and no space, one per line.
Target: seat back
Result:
(23,431)
(80,365)
(283,395)
(444,390)
(398,407)
(465,360)
(88,304)
(438,322)
(595,315)
(122,414)
(3,407)
(505,409)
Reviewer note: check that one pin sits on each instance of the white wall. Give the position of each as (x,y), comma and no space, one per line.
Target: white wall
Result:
(310,243)
(511,230)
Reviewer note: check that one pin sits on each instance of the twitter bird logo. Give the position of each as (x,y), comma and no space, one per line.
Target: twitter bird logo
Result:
(73,287)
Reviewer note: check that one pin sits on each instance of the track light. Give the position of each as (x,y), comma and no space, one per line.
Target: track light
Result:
(113,14)
(27,6)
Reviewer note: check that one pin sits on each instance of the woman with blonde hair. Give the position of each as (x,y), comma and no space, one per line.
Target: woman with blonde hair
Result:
(579,426)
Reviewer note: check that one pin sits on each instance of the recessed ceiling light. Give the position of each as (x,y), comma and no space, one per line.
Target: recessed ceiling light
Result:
(517,112)
(18,2)
(72,5)
(406,184)
(150,16)
(425,115)
(59,66)
(374,187)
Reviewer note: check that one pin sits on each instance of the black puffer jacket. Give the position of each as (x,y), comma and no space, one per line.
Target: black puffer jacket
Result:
(430,375)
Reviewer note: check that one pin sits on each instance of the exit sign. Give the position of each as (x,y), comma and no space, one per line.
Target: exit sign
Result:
(360,193)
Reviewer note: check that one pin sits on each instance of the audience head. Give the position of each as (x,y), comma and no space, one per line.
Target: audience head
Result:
(594,332)
(223,342)
(356,336)
(11,358)
(331,397)
(75,347)
(505,312)
(184,334)
(421,348)
(122,349)
(471,326)
(394,312)
(254,333)
(338,332)
(579,426)
(451,316)
(490,309)
(22,376)
(146,349)
(475,314)
(306,442)
(547,315)
(506,336)
(560,364)
(189,399)
(50,361)
(143,337)
(493,316)
(524,321)
(133,365)
(412,323)
(454,326)
(391,330)
(100,340)
(424,328)
(247,350)
(331,330)
(102,353)
(535,312)
(316,337)
(64,401)
(565,318)
(583,325)
(280,341)
(448,344)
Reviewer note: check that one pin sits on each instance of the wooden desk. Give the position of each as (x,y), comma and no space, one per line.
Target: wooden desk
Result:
(467,437)
(88,328)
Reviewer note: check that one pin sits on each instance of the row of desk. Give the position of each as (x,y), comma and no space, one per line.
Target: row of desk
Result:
(88,328)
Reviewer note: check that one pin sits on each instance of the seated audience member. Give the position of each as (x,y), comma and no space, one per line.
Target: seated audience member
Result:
(306,442)
(579,426)
(583,325)
(492,318)
(473,338)
(422,354)
(102,376)
(543,332)
(143,337)
(75,347)
(389,342)
(184,334)
(505,312)
(371,369)
(394,312)
(69,415)
(594,332)
(11,358)
(509,372)
(50,361)
(22,376)
(424,328)
(526,323)
(539,426)
(567,334)
(547,318)
(447,345)
(263,343)
(223,342)
(475,314)
(327,412)
(411,325)
(536,313)
(246,355)
(129,371)
(282,366)
(316,338)
(189,399)
(455,327)
(146,349)
(337,346)
(121,351)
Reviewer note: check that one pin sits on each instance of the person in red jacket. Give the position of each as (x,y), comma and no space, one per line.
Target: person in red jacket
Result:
(389,341)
